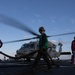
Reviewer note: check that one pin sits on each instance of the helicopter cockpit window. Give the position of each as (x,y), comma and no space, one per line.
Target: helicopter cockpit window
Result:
(31,46)
(24,46)
(37,46)
(27,46)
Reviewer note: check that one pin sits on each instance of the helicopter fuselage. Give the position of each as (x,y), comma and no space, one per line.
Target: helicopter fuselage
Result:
(32,46)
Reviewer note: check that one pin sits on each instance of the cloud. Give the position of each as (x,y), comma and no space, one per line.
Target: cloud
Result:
(36,21)
(26,37)
(36,18)
(53,21)
(67,19)
(37,15)
(72,21)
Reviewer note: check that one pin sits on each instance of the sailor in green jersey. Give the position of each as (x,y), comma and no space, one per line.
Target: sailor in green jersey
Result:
(43,42)
(43,46)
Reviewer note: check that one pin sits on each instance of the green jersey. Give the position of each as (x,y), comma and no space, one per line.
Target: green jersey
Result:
(43,41)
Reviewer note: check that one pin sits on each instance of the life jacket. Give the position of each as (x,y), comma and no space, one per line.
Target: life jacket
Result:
(1,43)
(73,45)
(43,41)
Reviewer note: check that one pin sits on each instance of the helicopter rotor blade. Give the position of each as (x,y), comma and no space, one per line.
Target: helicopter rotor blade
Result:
(62,34)
(16,24)
(38,37)
(19,40)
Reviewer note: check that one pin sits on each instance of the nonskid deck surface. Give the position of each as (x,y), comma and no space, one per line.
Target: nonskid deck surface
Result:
(20,68)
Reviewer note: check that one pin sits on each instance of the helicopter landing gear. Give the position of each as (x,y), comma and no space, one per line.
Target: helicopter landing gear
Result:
(28,59)
(58,59)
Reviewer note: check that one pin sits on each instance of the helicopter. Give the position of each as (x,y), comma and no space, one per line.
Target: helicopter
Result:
(33,45)
(14,23)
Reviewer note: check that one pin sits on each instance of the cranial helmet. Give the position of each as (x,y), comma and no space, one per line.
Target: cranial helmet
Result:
(41,29)
(74,37)
(1,43)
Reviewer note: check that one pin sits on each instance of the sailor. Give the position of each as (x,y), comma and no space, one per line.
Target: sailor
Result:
(73,51)
(43,47)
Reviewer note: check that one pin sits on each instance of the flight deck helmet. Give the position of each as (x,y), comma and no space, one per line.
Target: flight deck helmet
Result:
(74,37)
(41,29)
(1,43)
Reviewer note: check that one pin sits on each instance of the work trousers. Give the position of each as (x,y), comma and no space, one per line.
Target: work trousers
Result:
(42,53)
(73,57)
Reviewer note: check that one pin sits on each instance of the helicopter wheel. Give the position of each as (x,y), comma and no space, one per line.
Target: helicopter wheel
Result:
(28,59)
(58,63)
(58,59)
